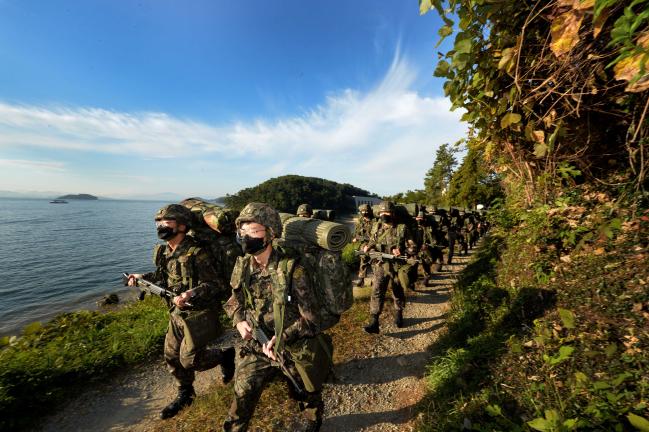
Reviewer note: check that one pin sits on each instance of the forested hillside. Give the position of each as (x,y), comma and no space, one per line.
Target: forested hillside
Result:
(287,192)
(549,328)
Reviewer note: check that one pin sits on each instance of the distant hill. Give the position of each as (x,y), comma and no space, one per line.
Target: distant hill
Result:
(78,197)
(287,192)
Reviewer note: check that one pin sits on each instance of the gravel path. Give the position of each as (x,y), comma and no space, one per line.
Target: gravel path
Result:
(376,392)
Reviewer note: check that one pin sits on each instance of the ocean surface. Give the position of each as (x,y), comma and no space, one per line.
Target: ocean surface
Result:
(64,257)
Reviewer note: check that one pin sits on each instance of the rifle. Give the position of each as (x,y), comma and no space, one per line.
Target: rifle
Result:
(259,335)
(151,288)
(383,256)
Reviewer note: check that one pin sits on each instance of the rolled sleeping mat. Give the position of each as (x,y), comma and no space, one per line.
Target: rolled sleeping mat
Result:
(413,209)
(328,235)
(320,214)
(218,218)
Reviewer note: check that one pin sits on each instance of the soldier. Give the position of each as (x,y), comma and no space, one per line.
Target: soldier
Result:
(471,229)
(387,237)
(362,231)
(454,233)
(305,210)
(276,291)
(426,236)
(186,269)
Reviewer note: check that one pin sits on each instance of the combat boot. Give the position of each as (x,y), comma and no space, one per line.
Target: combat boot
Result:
(398,318)
(227,365)
(184,399)
(373,326)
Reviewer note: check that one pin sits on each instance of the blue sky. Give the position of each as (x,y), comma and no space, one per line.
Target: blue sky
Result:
(130,98)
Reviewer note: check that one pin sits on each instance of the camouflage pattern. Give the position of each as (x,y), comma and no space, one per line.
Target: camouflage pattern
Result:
(304,210)
(365,208)
(188,267)
(176,212)
(301,324)
(385,238)
(362,233)
(386,207)
(426,236)
(263,214)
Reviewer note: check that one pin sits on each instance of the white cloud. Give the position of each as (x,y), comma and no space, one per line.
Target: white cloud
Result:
(352,137)
(32,164)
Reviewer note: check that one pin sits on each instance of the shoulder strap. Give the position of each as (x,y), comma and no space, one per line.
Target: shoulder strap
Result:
(282,281)
(158,254)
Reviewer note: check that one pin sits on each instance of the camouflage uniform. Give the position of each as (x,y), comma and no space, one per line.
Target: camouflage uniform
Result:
(386,237)
(189,267)
(426,237)
(454,233)
(362,233)
(261,293)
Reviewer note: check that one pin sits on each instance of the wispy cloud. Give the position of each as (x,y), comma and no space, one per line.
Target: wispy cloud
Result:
(391,130)
(32,164)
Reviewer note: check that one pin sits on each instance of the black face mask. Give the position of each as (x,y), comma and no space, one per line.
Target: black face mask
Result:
(166,233)
(386,218)
(252,245)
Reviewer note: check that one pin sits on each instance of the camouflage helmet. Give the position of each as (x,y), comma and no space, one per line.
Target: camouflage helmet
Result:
(304,209)
(263,214)
(177,212)
(386,207)
(365,208)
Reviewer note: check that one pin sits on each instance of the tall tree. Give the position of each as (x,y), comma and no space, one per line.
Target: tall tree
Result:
(439,175)
(474,182)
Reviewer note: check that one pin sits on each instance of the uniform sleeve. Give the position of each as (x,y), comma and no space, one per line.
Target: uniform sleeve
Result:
(307,325)
(234,307)
(209,288)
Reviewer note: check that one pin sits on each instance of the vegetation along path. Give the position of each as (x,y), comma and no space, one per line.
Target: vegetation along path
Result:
(379,379)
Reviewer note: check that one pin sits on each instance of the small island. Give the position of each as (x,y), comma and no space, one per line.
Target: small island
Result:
(78,197)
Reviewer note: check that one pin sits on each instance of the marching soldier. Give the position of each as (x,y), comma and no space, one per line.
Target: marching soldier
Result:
(186,269)
(387,237)
(362,232)
(304,210)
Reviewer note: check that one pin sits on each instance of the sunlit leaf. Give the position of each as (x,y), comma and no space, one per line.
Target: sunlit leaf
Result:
(565,31)
(442,68)
(567,318)
(640,423)
(540,150)
(509,119)
(540,424)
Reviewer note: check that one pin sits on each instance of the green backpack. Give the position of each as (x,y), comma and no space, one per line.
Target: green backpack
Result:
(329,276)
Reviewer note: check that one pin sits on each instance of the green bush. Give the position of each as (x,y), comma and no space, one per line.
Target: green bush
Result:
(41,367)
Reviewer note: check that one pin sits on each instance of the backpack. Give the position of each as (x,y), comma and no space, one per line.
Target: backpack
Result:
(329,276)
(214,230)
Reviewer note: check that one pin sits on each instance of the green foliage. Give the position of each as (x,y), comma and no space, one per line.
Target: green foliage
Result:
(349,257)
(39,368)
(439,176)
(474,183)
(540,86)
(286,193)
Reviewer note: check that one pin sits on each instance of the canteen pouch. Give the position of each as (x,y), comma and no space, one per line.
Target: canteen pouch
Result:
(313,360)
(201,327)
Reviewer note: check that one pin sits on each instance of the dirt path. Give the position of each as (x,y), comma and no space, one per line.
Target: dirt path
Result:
(372,393)
(378,392)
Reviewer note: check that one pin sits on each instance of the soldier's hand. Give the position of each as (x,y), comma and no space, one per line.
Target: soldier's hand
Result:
(354,240)
(183,299)
(132,279)
(268,349)
(365,248)
(396,252)
(244,330)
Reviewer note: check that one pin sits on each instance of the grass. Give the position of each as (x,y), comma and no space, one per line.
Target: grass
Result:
(549,325)
(275,410)
(43,366)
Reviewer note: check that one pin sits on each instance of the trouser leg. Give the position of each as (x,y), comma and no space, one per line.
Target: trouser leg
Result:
(398,293)
(253,370)
(173,347)
(380,279)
